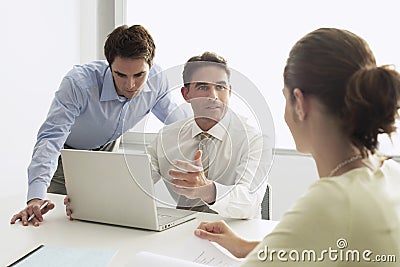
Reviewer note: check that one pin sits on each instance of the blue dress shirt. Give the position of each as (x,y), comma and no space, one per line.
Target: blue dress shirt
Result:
(87,113)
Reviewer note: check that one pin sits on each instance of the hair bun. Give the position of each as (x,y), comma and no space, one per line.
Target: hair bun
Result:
(371,104)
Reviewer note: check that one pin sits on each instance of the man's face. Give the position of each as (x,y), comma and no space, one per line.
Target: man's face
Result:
(208,93)
(129,75)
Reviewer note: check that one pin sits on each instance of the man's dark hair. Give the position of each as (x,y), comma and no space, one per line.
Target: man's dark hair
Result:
(206,59)
(130,42)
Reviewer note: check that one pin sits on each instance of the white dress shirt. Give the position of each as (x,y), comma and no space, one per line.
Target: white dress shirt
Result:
(240,158)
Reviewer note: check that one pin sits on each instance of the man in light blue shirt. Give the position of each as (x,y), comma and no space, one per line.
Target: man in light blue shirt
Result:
(95,104)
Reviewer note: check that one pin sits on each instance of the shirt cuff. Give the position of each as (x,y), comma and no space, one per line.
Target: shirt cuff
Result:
(221,192)
(37,190)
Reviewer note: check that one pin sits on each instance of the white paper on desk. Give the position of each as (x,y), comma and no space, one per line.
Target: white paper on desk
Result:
(193,252)
(145,258)
(68,257)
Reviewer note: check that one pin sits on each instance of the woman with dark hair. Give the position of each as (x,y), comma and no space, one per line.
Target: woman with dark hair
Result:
(337,102)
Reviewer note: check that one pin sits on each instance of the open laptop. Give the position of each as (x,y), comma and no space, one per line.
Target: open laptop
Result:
(116,188)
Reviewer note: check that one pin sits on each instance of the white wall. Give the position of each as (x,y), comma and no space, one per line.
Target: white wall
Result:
(290,176)
(256,36)
(39,44)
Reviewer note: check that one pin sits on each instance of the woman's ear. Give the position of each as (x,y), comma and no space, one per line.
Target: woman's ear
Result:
(301,107)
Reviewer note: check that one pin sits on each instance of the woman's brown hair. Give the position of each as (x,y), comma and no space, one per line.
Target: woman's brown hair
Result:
(338,67)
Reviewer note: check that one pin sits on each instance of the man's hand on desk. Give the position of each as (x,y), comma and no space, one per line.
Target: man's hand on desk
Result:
(68,210)
(33,212)
(189,180)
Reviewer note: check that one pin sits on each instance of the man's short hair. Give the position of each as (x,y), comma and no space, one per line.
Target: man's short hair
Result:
(206,59)
(130,42)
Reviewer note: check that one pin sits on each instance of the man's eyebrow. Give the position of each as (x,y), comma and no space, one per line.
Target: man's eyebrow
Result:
(200,83)
(123,74)
(119,73)
(139,73)
(207,83)
(221,83)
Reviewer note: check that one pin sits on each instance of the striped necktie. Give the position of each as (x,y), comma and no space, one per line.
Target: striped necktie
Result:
(205,138)
(197,204)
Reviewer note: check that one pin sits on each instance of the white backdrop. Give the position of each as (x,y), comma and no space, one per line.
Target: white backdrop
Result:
(256,36)
(39,44)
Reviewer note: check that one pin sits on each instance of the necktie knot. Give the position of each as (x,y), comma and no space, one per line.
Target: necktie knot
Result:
(205,135)
(204,138)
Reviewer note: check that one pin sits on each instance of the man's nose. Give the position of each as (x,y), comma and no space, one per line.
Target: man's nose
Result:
(212,93)
(131,83)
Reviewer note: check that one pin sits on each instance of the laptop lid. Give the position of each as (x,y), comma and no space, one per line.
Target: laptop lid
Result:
(113,188)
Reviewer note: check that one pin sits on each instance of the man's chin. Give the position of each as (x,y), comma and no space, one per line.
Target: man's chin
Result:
(215,116)
(130,95)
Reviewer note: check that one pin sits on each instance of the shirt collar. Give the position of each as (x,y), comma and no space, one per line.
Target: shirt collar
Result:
(218,131)
(109,92)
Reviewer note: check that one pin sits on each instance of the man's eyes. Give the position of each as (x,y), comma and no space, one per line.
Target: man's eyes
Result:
(138,75)
(206,87)
(202,87)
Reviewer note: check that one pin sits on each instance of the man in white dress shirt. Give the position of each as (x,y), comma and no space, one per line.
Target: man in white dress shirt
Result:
(214,161)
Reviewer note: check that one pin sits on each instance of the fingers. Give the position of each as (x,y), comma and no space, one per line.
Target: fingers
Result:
(187,179)
(35,221)
(14,219)
(24,219)
(203,226)
(185,166)
(218,227)
(206,235)
(49,207)
(32,213)
(20,216)
(35,210)
(23,215)
(178,174)
(68,210)
(197,158)
(182,183)
(211,231)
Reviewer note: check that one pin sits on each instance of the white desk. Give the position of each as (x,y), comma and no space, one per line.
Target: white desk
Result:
(58,230)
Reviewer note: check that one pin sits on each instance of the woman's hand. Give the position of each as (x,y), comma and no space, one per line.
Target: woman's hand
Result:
(222,234)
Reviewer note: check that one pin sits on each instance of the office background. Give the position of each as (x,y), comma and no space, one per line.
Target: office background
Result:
(42,40)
